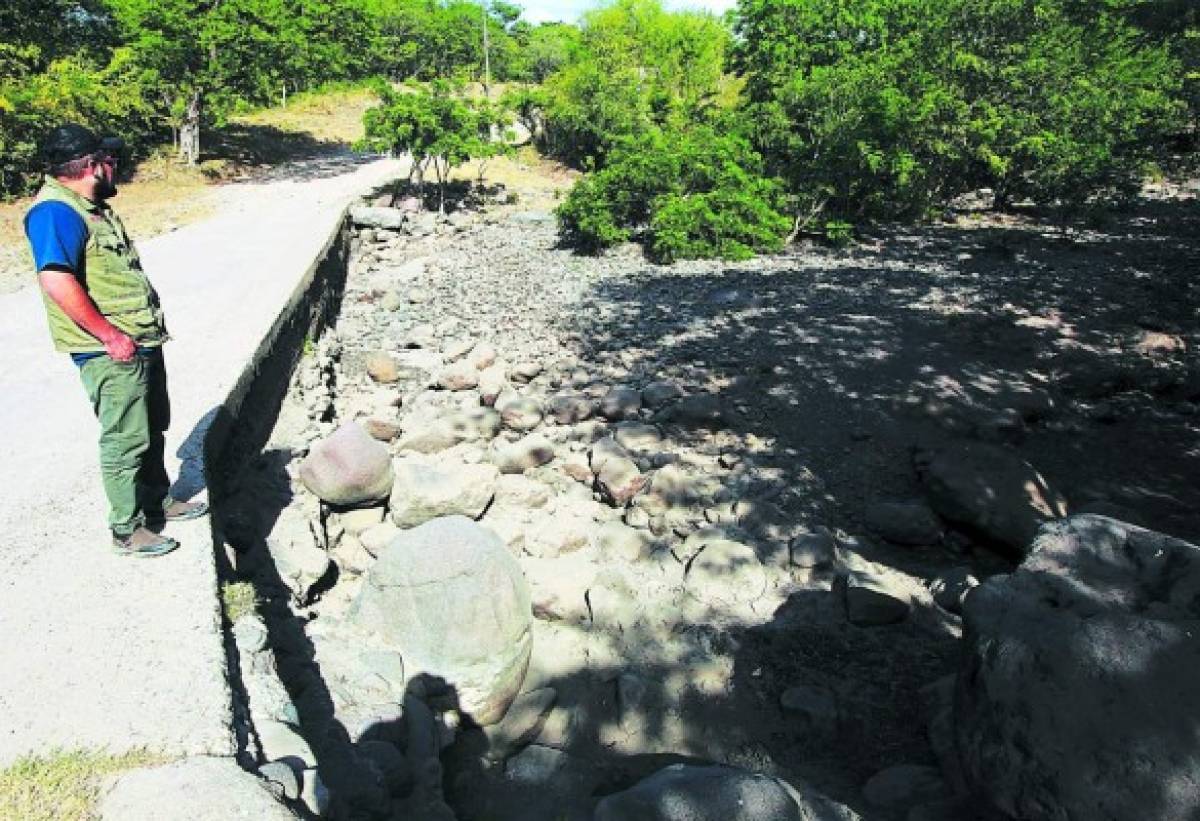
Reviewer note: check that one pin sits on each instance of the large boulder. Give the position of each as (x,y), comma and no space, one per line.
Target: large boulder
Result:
(300,563)
(990,491)
(349,468)
(427,490)
(368,216)
(1076,697)
(451,599)
(684,792)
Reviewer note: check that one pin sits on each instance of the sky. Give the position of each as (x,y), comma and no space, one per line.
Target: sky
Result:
(537,11)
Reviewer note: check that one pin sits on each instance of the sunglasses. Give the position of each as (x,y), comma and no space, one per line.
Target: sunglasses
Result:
(105,160)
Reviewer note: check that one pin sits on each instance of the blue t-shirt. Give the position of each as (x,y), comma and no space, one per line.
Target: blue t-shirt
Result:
(57,235)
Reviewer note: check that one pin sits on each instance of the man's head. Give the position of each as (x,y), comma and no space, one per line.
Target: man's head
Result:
(78,157)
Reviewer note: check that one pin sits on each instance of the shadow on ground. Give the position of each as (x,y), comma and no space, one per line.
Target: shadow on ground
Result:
(842,363)
(263,153)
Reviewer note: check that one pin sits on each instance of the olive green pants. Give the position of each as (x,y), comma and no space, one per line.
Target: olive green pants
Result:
(131,404)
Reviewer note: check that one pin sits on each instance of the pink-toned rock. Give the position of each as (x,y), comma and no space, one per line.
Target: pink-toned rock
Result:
(348,468)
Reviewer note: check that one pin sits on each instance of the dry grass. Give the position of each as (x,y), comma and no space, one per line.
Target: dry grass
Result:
(238,599)
(332,116)
(539,180)
(62,786)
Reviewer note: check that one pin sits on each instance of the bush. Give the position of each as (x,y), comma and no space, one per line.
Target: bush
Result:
(688,195)
(730,223)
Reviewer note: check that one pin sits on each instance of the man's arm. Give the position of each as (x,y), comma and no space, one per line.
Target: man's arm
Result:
(62,287)
(58,237)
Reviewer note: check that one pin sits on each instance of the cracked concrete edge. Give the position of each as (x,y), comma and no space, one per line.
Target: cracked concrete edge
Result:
(239,432)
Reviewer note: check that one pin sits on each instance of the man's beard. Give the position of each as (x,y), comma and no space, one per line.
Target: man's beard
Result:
(105,188)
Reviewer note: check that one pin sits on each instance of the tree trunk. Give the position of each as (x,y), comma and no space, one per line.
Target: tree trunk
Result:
(189,132)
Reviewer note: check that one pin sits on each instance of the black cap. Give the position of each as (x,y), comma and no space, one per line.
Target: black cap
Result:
(72,141)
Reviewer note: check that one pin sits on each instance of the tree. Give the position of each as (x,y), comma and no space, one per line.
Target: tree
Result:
(890,107)
(437,125)
(636,66)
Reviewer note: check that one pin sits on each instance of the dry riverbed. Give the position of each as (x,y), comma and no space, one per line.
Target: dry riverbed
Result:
(726,485)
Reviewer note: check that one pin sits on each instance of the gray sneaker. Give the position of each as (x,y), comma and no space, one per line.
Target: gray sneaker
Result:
(143,544)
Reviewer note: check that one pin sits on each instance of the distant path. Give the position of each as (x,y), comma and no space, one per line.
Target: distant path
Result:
(100,651)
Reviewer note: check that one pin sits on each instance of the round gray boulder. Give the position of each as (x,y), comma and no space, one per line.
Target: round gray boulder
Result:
(451,599)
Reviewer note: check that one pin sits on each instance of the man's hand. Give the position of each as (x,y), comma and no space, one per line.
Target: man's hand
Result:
(120,347)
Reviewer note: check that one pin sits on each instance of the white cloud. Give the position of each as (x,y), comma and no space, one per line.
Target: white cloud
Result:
(568,11)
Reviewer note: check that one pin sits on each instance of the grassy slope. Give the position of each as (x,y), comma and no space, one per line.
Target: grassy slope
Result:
(63,786)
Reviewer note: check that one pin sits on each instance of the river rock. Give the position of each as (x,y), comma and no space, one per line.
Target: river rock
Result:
(521,724)
(636,436)
(425,490)
(432,435)
(528,452)
(367,216)
(905,523)
(724,571)
(521,414)
(520,491)
(382,368)
(569,408)
(524,372)
(621,540)
(1076,694)
(348,468)
(483,356)
(492,383)
(685,792)
(703,410)
(300,564)
(620,403)
(454,603)
(619,479)
(457,349)
(382,430)
(872,598)
(458,376)
(657,394)
(990,491)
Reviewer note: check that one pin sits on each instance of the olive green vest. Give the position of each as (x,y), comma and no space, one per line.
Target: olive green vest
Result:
(112,276)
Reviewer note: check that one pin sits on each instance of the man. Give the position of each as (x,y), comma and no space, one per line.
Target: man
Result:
(104,312)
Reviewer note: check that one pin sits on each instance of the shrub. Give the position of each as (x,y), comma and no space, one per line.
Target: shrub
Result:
(635,67)
(690,194)
(890,108)
(438,125)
